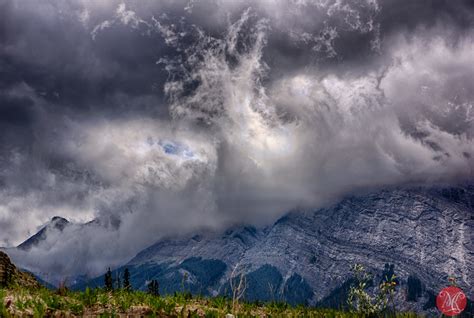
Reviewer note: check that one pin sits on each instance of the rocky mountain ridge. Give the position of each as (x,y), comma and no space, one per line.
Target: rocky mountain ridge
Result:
(423,235)
(56,225)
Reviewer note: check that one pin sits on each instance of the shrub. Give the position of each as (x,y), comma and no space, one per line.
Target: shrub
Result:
(89,297)
(154,288)
(361,301)
(76,309)
(39,309)
(3,309)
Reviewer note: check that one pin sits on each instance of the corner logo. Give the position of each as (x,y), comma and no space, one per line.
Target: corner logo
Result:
(451,301)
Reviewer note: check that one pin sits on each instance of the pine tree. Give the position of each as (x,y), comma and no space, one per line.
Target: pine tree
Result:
(119,282)
(126,280)
(108,280)
(154,287)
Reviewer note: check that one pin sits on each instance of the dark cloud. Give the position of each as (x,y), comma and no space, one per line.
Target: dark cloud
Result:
(171,116)
(16,110)
(428,13)
(48,48)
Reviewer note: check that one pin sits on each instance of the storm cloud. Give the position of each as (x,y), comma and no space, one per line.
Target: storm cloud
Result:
(158,119)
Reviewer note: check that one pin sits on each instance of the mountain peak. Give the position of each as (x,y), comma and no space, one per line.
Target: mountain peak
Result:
(59,218)
(57,223)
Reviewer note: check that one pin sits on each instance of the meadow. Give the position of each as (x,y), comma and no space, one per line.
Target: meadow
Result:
(99,302)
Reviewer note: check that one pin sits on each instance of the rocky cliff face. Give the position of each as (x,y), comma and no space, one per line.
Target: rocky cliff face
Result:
(421,235)
(10,275)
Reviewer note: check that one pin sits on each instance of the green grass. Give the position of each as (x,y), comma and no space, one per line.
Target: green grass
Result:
(3,309)
(102,303)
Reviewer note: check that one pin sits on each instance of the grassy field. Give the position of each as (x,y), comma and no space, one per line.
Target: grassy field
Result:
(23,302)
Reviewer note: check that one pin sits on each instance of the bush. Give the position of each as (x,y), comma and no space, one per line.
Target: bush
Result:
(154,288)
(3,309)
(89,297)
(361,301)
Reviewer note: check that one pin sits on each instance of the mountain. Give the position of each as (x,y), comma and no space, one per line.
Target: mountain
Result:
(54,227)
(421,235)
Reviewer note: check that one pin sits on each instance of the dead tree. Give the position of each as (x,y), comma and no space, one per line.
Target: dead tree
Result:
(238,285)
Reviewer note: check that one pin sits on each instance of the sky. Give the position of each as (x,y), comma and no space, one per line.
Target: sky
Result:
(161,118)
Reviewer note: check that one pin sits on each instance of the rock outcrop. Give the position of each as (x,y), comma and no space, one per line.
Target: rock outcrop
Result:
(10,275)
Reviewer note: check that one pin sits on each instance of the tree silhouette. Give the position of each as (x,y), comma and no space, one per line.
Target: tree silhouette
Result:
(126,280)
(154,287)
(108,280)
(119,282)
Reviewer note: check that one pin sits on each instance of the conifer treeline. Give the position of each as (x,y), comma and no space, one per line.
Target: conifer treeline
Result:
(153,286)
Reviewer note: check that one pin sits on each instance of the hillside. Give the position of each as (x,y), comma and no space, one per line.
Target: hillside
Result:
(12,276)
(421,235)
(22,296)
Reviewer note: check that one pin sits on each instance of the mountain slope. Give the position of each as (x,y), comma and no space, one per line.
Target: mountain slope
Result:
(10,275)
(422,235)
(55,226)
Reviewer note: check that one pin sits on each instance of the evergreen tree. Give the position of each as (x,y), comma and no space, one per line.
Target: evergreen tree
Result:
(119,282)
(108,280)
(154,287)
(126,280)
